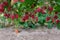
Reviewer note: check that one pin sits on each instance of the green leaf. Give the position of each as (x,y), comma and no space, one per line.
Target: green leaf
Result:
(2,26)
(50,25)
(31,25)
(9,1)
(57,8)
(58,25)
(25,25)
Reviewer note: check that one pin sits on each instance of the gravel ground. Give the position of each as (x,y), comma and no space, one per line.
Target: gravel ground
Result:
(30,34)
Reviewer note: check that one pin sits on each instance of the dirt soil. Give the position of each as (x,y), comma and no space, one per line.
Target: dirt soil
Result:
(30,34)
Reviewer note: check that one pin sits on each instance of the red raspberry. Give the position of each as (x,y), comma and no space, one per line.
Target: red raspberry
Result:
(9,8)
(50,8)
(6,15)
(55,17)
(1,5)
(5,3)
(26,17)
(23,19)
(16,16)
(12,17)
(32,16)
(38,9)
(57,21)
(43,12)
(56,12)
(47,19)
(1,8)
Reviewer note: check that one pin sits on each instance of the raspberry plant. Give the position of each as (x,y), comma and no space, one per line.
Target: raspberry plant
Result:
(30,13)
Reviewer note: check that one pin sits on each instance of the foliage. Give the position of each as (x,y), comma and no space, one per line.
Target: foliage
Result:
(29,13)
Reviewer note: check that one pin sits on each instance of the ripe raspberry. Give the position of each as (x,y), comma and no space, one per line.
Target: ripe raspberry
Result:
(16,16)
(47,19)
(55,17)
(50,8)
(57,21)
(56,12)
